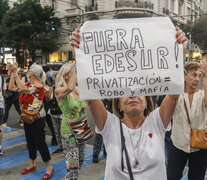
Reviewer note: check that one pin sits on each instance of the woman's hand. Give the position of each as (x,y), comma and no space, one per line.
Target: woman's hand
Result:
(9,67)
(15,67)
(181,39)
(204,69)
(74,40)
(12,67)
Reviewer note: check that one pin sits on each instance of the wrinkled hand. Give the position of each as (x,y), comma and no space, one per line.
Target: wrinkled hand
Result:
(181,39)
(12,67)
(8,66)
(204,69)
(74,40)
(15,66)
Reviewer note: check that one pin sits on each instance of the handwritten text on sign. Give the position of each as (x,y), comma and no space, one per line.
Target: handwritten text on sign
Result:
(129,57)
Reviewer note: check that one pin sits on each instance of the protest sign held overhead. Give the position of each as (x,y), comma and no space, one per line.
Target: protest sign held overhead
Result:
(129,57)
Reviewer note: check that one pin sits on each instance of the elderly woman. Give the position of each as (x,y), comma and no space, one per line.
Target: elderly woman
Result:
(196,102)
(72,108)
(32,100)
(134,134)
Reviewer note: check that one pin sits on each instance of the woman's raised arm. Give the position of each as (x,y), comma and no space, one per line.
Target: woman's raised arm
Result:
(61,92)
(98,112)
(167,107)
(15,78)
(96,107)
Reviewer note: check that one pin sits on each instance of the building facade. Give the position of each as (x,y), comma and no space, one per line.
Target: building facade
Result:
(74,13)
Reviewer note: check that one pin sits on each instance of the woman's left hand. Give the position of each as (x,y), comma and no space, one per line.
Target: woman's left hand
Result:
(74,40)
(181,39)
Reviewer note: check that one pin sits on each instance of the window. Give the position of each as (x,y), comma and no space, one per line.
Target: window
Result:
(180,9)
(189,13)
(92,3)
(73,3)
(136,1)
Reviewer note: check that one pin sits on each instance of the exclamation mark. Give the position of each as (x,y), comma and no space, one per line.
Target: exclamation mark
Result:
(176,54)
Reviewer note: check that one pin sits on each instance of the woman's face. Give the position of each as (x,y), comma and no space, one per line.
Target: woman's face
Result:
(193,78)
(133,104)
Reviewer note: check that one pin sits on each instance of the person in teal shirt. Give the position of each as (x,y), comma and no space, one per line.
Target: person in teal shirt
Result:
(72,108)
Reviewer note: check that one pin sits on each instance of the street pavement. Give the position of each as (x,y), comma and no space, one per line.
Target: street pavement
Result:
(15,157)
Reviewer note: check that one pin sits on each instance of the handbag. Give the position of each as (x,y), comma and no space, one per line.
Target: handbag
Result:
(29,116)
(198,137)
(81,129)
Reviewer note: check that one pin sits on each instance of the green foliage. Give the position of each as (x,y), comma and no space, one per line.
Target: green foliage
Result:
(30,23)
(199,32)
(4,7)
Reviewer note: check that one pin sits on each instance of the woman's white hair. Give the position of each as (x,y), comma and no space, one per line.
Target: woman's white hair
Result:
(38,72)
(59,80)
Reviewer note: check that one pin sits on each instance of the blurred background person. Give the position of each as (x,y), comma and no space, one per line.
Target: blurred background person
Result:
(2,88)
(11,98)
(48,86)
(180,151)
(98,140)
(56,116)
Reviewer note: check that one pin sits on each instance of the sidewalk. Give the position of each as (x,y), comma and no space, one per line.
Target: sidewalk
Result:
(15,158)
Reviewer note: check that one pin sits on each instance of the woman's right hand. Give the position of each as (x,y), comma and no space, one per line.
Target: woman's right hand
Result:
(74,40)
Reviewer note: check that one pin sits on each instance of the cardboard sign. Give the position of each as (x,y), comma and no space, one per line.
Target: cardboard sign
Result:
(129,57)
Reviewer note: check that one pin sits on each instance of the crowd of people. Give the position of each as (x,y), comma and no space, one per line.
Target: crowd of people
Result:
(131,129)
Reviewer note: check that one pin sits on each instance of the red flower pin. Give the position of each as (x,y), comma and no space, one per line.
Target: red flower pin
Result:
(150,135)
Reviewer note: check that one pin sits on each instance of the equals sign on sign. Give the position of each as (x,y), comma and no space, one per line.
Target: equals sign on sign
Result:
(167,79)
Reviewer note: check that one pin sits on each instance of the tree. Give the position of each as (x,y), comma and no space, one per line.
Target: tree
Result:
(28,26)
(199,32)
(4,7)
